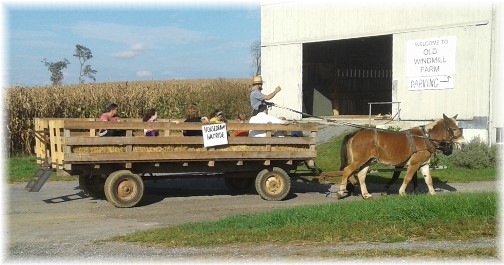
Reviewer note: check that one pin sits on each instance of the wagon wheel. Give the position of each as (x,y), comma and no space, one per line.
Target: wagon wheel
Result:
(124,189)
(273,185)
(92,185)
(242,184)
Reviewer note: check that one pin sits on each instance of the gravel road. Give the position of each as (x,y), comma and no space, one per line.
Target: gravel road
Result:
(61,224)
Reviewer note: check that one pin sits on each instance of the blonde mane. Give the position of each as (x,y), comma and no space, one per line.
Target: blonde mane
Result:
(431,125)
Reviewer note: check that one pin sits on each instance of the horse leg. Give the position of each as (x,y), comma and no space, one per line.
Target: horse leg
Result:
(362,182)
(347,172)
(412,169)
(395,176)
(415,183)
(428,179)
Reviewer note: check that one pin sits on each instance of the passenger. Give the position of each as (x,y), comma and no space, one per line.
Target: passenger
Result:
(280,133)
(217,117)
(241,119)
(111,115)
(297,134)
(257,97)
(193,115)
(151,116)
(263,117)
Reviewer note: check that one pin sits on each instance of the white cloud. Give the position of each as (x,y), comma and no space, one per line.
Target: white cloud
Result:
(144,73)
(133,51)
(138,47)
(134,34)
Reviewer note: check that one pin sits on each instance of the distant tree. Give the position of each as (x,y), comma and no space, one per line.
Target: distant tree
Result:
(56,70)
(255,51)
(83,54)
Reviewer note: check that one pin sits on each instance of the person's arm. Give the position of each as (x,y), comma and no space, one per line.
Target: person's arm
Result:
(272,94)
(104,117)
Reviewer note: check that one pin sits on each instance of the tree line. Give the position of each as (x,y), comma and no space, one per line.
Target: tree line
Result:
(83,54)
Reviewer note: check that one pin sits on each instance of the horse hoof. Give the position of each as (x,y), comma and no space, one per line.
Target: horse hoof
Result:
(339,196)
(367,197)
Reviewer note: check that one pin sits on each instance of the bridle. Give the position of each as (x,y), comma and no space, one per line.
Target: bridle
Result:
(444,145)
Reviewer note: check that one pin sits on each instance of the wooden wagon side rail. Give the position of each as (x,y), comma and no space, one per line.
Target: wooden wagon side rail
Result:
(69,138)
(188,156)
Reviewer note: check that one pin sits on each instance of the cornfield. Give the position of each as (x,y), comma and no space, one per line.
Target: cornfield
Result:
(170,99)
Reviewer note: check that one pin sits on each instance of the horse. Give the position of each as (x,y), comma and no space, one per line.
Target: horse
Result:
(412,148)
(447,150)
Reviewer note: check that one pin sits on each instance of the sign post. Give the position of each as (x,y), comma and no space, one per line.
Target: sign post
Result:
(431,63)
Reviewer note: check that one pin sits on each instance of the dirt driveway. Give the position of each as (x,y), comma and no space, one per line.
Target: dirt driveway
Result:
(60,223)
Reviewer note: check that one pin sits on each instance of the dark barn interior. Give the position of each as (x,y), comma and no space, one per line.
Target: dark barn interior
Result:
(341,77)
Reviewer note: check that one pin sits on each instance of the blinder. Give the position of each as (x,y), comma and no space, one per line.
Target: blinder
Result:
(446,148)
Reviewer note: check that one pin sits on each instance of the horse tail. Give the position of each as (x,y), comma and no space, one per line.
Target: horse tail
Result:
(344,149)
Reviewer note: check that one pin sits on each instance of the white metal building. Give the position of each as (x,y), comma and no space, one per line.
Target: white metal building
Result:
(332,58)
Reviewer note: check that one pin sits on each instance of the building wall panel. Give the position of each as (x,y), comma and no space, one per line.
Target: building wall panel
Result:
(282,66)
(469,97)
(295,22)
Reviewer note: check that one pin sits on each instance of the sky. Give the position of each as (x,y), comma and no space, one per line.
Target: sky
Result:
(130,41)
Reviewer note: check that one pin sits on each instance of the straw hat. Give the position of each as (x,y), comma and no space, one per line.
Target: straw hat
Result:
(257,80)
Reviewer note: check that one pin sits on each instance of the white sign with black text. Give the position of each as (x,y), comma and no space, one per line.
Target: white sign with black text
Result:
(214,134)
(431,63)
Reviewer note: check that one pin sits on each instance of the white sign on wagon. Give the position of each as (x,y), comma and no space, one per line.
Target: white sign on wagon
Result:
(214,134)
(431,63)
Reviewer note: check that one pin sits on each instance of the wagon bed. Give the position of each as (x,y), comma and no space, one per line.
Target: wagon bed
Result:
(102,163)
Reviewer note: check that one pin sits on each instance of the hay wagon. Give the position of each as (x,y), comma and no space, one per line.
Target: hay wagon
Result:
(117,167)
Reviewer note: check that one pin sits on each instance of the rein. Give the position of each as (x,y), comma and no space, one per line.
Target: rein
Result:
(343,122)
(326,119)
(443,144)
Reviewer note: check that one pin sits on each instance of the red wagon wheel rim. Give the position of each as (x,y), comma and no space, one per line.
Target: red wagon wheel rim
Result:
(126,188)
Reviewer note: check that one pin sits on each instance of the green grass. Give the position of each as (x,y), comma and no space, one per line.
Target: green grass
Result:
(22,168)
(450,216)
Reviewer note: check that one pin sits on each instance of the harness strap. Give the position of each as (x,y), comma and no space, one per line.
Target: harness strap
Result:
(428,141)
(376,144)
(411,143)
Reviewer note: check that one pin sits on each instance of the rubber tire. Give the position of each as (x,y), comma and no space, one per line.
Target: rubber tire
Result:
(132,182)
(92,185)
(273,185)
(239,185)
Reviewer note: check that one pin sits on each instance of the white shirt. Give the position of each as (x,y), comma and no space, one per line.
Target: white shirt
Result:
(261,118)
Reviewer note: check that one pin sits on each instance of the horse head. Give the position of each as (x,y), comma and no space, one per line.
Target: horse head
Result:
(445,132)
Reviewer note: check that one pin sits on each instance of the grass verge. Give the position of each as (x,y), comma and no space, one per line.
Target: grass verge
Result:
(22,168)
(451,216)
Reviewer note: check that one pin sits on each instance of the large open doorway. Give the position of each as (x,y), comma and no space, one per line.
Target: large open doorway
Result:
(341,77)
